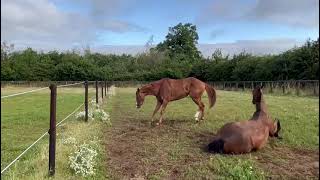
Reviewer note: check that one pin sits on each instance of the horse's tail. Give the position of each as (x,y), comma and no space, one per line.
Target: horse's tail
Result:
(216,146)
(211,95)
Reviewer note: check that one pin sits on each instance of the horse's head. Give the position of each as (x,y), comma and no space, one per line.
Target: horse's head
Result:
(274,130)
(139,98)
(257,94)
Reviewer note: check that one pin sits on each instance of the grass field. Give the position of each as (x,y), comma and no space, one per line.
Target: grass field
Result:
(24,118)
(176,150)
(133,148)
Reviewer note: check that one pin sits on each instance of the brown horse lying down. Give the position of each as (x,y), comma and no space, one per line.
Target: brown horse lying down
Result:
(246,136)
(166,90)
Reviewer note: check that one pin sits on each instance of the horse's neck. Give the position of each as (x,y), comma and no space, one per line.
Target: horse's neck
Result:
(261,107)
(150,91)
(261,111)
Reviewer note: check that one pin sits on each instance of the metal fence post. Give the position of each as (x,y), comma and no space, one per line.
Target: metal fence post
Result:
(52,130)
(86,100)
(97,101)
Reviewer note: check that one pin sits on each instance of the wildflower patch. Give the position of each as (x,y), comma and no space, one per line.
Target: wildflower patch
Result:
(95,113)
(83,160)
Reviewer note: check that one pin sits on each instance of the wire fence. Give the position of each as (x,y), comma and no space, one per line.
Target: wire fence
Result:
(51,131)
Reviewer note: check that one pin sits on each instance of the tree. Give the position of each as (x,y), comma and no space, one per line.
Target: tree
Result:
(181,42)
(218,57)
(5,50)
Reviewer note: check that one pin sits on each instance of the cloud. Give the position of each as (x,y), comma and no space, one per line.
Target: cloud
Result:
(216,32)
(293,13)
(120,26)
(42,24)
(256,47)
(296,13)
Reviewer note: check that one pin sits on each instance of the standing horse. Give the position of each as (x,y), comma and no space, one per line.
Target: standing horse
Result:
(245,136)
(166,90)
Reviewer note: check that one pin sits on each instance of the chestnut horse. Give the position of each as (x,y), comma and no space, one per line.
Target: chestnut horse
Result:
(166,90)
(246,136)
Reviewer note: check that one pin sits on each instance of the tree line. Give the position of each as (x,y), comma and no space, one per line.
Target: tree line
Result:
(176,57)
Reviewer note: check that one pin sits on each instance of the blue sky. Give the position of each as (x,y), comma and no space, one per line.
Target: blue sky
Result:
(68,23)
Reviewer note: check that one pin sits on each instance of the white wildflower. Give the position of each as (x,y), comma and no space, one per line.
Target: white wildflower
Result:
(69,140)
(83,160)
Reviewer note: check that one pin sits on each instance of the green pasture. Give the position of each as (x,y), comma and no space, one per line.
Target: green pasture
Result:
(134,148)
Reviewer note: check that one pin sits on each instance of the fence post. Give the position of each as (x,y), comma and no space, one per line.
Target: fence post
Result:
(224,85)
(101,89)
(283,88)
(105,88)
(244,86)
(97,101)
(315,88)
(52,130)
(86,100)
(298,88)
(271,87)
(252,85)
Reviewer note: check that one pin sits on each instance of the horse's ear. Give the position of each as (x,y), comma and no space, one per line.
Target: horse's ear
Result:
(261,87)
(138,90)
(278,125)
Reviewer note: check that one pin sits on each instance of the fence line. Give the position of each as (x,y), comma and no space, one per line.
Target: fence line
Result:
(72,113)
(70,84)
(12,95)
(43,135)
(34,90)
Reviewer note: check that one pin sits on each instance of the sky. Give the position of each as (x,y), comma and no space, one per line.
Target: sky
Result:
(258,26)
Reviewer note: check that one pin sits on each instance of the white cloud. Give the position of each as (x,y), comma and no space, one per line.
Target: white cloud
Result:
(296,13)
(41,24)
(257,47)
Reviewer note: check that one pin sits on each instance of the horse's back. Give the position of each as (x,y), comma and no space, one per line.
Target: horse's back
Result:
(242,137)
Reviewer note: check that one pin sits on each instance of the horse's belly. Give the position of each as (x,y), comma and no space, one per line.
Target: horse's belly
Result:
(173,98)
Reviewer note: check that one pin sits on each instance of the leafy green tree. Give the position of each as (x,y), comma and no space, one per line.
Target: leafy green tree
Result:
(181,42)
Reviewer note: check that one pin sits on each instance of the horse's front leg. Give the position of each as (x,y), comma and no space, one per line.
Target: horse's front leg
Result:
(156,109)
(163,108)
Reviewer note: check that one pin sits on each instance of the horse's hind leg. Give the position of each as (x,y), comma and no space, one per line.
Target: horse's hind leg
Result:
(200,113)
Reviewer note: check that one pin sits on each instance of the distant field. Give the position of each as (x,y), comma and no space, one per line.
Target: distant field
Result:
(176,149)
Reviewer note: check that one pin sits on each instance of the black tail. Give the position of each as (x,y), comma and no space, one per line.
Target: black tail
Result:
(216,146)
